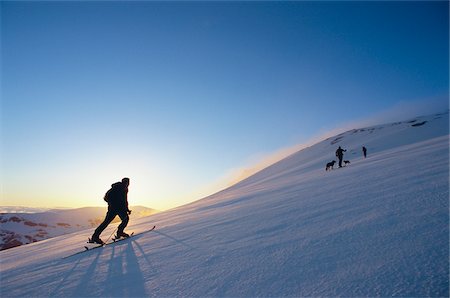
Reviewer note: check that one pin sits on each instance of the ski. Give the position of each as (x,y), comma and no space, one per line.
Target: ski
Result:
(114,240)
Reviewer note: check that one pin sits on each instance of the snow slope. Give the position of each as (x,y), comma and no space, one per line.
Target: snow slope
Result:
(378,227)
(22,228)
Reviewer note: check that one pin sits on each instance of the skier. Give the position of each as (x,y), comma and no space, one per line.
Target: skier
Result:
(364,149)
(117,205)
(340,155)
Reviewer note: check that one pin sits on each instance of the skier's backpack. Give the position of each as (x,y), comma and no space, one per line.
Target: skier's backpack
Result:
(106,198)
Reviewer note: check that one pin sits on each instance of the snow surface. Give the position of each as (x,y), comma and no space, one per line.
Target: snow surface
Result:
(378,227)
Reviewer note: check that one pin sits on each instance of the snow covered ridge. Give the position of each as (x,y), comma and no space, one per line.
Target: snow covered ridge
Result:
(21,209)
(23,228)
(377,227)
(375,138)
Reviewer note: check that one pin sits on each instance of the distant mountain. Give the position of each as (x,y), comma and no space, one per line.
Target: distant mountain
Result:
(21,209)
(24,227)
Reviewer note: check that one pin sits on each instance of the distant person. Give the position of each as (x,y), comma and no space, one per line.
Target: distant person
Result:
(364,149)
(340,155)
(117,198)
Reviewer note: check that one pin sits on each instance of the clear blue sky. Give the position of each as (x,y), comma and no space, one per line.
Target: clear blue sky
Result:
(176,95)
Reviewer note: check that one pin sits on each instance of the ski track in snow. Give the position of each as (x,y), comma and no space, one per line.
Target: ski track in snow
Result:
(378,227)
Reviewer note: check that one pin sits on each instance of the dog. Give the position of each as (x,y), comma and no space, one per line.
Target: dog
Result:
(330,165)
(346,162)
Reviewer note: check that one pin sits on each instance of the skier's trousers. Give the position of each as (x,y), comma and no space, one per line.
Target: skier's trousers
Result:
(110,215)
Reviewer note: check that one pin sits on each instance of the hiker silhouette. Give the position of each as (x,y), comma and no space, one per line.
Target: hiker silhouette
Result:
(340,155)
(117,199)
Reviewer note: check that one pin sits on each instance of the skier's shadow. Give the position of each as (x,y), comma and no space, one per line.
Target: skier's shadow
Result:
(90,272)
(66,277)
(123,268)
(174,239)
(154,268)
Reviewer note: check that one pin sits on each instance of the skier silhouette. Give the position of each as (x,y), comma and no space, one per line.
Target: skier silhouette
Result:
(340,155)
(117,198)
(364,149)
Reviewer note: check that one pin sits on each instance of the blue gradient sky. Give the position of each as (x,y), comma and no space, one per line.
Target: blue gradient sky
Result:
(176,95)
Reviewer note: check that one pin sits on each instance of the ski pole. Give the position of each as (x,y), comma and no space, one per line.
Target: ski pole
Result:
(110,235)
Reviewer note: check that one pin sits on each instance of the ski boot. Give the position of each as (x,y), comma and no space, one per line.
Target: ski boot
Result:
(122,235)
(96,239)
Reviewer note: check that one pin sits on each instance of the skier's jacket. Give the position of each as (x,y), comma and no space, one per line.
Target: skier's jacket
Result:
(340,152)
(117,197)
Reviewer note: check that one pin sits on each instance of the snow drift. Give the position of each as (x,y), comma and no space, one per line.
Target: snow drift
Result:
(378,227)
